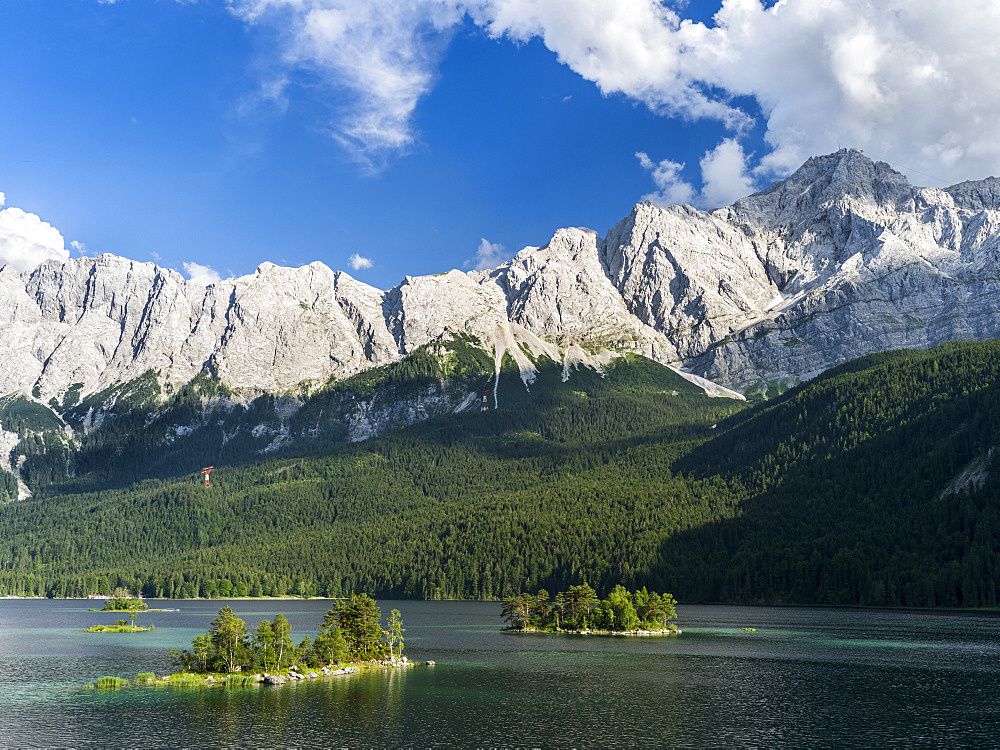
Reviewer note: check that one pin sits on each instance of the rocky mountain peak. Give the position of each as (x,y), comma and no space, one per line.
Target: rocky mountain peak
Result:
(977,195)
(823,190)
(842,258)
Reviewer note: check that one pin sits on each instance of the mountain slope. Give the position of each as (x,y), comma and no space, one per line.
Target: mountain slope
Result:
(145,373)
(567,478)
(875,484)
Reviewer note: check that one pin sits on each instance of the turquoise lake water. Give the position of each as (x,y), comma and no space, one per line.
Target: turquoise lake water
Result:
(806,677)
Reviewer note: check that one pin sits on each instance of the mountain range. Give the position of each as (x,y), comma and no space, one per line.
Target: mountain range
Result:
(843,258)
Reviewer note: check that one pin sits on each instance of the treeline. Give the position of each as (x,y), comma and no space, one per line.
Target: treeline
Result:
(351,631)
(579,608)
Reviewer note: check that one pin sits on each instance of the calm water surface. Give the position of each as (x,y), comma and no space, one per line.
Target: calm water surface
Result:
(807,677)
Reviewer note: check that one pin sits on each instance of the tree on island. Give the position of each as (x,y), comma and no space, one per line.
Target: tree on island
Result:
(359,619)
(517,610)
(394,633)
(263,643)
(578,601)
(617,612)
(202,648)
(579,608)
(282,638)
(330,646)
(229,638)
(651,607)
(352,631)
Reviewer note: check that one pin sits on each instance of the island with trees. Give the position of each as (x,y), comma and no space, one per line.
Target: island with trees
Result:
(123,601)
(350,639)
(579,610)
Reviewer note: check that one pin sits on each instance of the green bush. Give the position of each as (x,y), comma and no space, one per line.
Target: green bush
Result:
(111,682)
(241,679)
(186,679)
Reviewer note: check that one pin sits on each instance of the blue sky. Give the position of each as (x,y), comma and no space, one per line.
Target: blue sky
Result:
(406,134)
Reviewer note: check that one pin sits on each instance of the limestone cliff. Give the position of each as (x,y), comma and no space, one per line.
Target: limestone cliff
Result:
(841,259)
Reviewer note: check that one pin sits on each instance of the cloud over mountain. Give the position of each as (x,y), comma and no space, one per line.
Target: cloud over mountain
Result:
(26,240)
(911,81)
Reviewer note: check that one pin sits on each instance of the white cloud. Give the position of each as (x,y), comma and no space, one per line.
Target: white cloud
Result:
(26,240)
(488,255)
(359,262)
(910,81)
(724,175)
(79,247)
(379,57)
(201,275)
(671,187)
(3,198)
(724,178)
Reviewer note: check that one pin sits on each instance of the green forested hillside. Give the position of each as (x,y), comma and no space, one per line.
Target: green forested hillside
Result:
(841,488)
(833,493)
(145,428)
(572,479)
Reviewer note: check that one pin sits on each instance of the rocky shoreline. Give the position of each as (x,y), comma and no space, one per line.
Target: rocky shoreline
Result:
(291,675)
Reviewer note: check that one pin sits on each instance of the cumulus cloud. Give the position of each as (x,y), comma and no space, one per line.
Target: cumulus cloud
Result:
(488,255)
(26,240)
(910,81)
(359,262)
(666,174)
(201,275)
(725,177)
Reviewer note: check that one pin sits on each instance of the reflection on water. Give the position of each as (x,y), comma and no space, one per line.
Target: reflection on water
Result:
(804,677)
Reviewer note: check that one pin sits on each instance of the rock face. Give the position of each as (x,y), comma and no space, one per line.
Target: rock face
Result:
(841,259)
(864,262)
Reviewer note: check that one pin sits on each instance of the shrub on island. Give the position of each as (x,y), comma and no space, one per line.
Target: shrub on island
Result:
(105,683)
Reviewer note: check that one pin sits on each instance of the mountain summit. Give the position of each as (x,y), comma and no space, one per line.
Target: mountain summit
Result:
(843,258)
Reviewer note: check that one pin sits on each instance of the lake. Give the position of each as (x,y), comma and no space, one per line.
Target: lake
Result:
(806,677)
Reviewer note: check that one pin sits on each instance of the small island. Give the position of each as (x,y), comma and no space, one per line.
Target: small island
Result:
(120,626)
(578,610)
(350,639)
(122,601)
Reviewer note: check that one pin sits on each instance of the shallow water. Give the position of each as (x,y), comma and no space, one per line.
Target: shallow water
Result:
(816,677)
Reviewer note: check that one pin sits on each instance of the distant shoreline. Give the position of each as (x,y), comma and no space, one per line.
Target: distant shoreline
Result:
(786,605)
